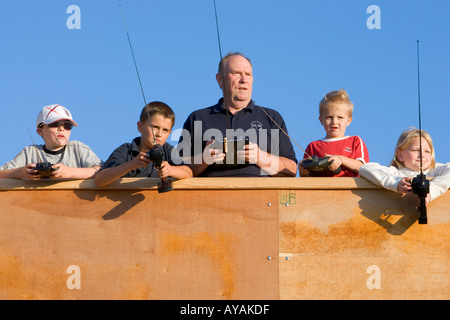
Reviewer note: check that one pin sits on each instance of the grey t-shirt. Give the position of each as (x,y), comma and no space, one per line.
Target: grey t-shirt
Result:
(76,154)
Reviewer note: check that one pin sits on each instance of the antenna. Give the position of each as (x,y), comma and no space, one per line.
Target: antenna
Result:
(220,53)
(137,72)
(420,185)
(156,154)
(418,95)
(37,150)
(132,53)
(223,79)
(217,28)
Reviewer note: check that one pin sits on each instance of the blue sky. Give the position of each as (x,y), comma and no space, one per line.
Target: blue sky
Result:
(300,50)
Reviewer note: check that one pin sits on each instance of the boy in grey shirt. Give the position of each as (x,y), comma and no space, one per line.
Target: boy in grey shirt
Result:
(69,159)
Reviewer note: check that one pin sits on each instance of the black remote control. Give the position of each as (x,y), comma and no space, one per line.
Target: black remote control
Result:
(45,169)
(230,148)
(319,167)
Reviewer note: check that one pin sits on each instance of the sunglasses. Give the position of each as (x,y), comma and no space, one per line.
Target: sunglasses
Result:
(67,125)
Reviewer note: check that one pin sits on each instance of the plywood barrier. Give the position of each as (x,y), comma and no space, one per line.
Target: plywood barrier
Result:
(220,238)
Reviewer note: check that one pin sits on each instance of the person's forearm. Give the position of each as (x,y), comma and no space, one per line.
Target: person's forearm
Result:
(109,175)
(276,166)
(181,172)
(12,173)
(351,164)
(82,173)
(288,167)
(197,169)
(380,175)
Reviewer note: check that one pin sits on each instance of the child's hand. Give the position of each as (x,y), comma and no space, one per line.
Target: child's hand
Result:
(165,170)
(61,171)
(140,161)
(335,161)
(30,172)
(427,199)
(302,171)
(404,185)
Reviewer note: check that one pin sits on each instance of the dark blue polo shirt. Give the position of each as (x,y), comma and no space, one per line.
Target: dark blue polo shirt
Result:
(252,121)
(128,151)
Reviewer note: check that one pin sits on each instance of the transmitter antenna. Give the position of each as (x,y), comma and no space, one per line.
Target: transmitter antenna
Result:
(225,139)
(217,28)
(37,150)
(420,185)
(220,53)
(156,154)
(132,53)
(418,96)
(137,72)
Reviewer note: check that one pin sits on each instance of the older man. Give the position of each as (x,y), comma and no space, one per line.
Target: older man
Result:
(267,151)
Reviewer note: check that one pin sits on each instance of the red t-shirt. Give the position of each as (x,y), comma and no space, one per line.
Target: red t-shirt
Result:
(350,147)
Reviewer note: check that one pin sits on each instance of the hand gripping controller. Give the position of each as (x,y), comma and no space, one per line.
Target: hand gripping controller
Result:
(230,148)
(45,169)
(319,167)
(157,156)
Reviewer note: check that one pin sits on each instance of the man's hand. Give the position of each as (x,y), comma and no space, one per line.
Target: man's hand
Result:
(251,153)
(212,155)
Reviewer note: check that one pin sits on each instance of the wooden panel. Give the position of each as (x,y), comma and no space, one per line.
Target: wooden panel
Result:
(327,238)
(138,244)
(337,245)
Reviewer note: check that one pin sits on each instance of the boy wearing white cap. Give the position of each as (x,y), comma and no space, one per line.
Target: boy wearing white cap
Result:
(68,159)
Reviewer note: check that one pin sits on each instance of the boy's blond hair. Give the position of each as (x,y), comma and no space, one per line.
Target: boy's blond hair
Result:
(405,140)
(333,98)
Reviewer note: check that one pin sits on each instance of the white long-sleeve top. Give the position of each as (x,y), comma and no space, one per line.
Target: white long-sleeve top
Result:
(389,177)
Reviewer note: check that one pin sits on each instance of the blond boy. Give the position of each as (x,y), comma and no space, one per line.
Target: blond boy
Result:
(347,152)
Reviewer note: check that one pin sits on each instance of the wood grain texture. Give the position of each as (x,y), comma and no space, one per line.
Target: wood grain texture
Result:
(196,183)
(221,238)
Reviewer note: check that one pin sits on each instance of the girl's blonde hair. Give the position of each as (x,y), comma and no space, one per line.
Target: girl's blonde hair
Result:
(336,97)
(405,140)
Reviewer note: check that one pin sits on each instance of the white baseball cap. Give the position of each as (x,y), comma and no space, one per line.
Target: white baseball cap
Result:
(53,113)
